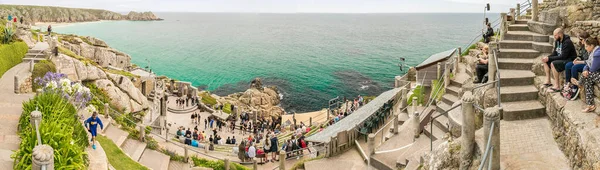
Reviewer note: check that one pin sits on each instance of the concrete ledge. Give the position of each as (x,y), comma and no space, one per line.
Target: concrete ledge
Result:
(541,28)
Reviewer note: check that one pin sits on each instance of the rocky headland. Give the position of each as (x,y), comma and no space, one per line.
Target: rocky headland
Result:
(33,14)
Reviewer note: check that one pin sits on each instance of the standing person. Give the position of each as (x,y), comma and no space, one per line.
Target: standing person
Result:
(205,123)
(251,152)
(9,24)
(49,29)
(91,124)
(591,74)
(563,53)
(274,148)
(21,19)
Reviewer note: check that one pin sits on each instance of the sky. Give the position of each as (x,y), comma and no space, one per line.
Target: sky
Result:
(282,6)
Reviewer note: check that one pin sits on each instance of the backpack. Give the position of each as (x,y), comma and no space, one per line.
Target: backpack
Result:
(569,91)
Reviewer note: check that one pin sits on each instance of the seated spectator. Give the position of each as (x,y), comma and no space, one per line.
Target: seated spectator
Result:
(188,140)
(194,143)
(188,132)
(591,73)
(233,140)
(261,154)
(241,151)
(251,152)
(228,141)
(572,69)
(179,133)
(487,36)
(210,139)
(482,65)
(563,53)
(195,135)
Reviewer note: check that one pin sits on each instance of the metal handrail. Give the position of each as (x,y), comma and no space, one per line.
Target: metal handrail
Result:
(488,147)
(431,124)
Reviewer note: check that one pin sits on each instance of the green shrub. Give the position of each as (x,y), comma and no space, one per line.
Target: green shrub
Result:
(40,69)
(11,55)
(417,92)
(216,165)
(227,108)
(59,128)
(121,72)
(8,35)
(437,85)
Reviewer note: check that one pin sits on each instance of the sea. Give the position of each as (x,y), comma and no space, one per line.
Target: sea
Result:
(311,58)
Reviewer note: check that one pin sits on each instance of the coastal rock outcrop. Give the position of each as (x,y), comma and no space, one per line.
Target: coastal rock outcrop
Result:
(117,97)
(97,50)
(77,70)
(129,88)
(33,14)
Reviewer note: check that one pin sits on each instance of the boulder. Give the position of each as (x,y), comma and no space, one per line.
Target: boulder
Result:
(548,21)
(129,88)
(96,42)
(77,70)
(117,97)
(105,57)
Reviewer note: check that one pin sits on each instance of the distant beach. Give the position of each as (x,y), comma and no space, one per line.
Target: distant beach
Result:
(44,25)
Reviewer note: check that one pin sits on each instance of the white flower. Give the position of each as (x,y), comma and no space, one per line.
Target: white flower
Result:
(65,82)
(90,108)
(51,85)
(77,87)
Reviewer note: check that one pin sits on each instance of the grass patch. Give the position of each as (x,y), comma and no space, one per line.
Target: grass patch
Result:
(216,165)
(121,72)
(207,99)
(116,157)
(70,53)
(227,108)
(11,55)
(437,85)
(300,164)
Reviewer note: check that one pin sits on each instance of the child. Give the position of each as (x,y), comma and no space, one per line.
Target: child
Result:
(93,125)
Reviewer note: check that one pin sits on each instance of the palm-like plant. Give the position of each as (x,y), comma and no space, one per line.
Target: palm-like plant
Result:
(8,35)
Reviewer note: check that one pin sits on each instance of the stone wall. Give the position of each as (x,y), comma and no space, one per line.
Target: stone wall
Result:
(592,27)
(576,133)
(26,86)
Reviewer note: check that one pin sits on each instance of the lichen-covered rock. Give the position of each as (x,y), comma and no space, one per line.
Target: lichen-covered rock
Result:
(129,88)
(142,16)
(77,70)
(96,42)
(117,97)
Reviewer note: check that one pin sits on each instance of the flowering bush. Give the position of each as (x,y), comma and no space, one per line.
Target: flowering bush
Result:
(76,93)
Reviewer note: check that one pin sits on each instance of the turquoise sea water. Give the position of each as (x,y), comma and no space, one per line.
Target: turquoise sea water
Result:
(310,57)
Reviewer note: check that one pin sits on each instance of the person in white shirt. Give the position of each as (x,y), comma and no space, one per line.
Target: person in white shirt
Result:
(251,152)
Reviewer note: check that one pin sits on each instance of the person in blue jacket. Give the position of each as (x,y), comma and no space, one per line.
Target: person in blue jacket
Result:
(92,124)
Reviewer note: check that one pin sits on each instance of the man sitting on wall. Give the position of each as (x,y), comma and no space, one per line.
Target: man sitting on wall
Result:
(564,52)
(487,36)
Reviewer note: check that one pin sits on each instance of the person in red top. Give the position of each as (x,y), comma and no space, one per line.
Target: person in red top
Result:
(15,19)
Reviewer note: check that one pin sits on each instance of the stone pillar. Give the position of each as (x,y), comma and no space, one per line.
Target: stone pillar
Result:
(31,64)
(439,70)
(106,110)
(226,163)
(492,68)
(518,11)
(414,104)
(281,160)
(35,116)
(43,155)
(396,123)
(534,10)
(254,164)
(493,115)
(447,74)
(468,129)
(172,86)
(416,126)
(503,24)
(186,156)
(371,147)
(513,13)
(17,84)
(142,133)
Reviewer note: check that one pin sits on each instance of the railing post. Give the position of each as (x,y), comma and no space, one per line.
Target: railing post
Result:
(457,61)
(492,67)
(518,11)
(254,164)
(396,123)
(281,160)
(106,110)
(371,147)
(31,64)
(534,10)
(310,122)
(414,104)
(417,126)
(492,115)
(186,156)
(446,75)
(142,133)
(16,84)
(468,129)
(42,156)
(35,119)
(226,163)
(439,70)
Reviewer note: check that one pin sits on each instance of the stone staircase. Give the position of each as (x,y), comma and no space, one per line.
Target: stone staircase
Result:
(137,151)
(515,60)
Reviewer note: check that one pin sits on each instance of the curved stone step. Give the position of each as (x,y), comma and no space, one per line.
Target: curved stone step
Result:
(453,90)
(518,53)
(518,93)
(523,110)
(134,148)
(449,99)
(515,44)
(518,27)
(442,122)
(117,135)
(182,111)
(516,78)
(515,63)
(521,21)
(155,160)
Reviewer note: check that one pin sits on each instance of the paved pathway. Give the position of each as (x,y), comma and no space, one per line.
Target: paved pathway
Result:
(529,144)
(11,105)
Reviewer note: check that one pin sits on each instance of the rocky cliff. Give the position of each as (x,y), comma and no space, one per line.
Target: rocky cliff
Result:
(33,14)
(263,100)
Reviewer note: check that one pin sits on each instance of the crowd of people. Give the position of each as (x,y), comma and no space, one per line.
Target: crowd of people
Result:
(183,102)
